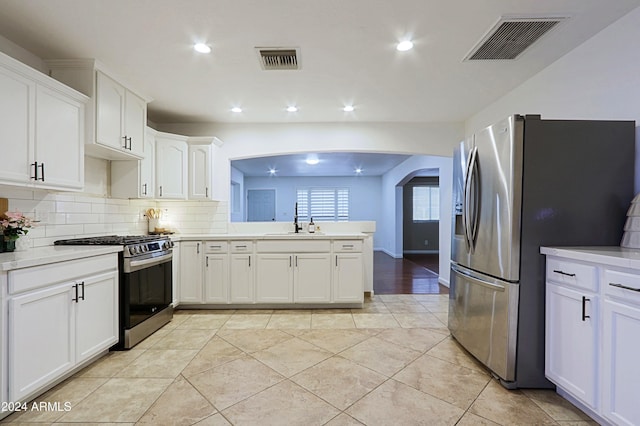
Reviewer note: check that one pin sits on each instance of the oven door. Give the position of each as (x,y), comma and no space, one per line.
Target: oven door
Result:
(146,288)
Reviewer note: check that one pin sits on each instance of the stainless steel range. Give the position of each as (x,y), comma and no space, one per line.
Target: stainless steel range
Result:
(145,283)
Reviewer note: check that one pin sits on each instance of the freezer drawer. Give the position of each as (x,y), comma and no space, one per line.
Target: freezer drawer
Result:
(483,314)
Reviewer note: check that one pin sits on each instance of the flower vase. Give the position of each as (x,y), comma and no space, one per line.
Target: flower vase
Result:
(8,245)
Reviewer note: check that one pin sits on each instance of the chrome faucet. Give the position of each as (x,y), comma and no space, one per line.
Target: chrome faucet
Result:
(295,221)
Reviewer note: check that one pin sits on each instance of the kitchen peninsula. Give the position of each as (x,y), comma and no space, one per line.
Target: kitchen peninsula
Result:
(274,269)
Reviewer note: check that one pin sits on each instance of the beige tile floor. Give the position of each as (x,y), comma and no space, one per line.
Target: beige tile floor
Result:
(391,363)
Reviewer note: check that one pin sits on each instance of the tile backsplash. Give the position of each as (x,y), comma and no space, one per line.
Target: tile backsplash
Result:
(72,215)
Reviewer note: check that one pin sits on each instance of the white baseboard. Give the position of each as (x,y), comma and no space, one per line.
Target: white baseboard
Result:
(421,251)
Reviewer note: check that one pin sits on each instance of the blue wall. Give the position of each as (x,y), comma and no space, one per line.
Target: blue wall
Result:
(364,194)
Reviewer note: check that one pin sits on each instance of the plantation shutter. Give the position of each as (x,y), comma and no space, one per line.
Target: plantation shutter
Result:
(323,204)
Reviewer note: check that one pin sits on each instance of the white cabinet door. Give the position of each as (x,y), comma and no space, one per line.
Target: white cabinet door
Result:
(148,167)
(199,172)
(17,112)
(241,283)
(171,168)
(135,122)
(621,375)
(216,278)
(59,134)
(312,278)
(190,272)
(41,339)
(348,285)
(96,314)
(274,278)
(572,342)
(110,104)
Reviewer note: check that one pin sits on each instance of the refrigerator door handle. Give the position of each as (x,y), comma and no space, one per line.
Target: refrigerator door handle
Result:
(473,181)
(467,220)
(478,280)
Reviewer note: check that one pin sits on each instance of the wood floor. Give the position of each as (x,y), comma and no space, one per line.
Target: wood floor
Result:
(413,274)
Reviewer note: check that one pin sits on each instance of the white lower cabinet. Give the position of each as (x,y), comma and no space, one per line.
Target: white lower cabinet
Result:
(241,278)
(348,277)
(191,274)
(592,329)
(312,278)
(572,341)
(274,278)
(265,271)
(216,278)
(59,316)
(621,344)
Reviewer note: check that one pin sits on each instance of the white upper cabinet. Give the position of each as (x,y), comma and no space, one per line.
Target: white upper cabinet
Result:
(201,168)
(136,178)
(41,129)
(117,116)
(171,166)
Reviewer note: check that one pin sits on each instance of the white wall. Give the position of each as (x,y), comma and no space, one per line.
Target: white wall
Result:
(237,177)
(598,80)
(389,232)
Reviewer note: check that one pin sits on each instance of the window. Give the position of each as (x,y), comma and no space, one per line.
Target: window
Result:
(426,203)
(323,204)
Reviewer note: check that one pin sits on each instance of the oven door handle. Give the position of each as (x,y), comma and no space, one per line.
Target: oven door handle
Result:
(136,265)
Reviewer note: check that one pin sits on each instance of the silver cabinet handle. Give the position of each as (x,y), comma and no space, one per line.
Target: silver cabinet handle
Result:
(625,287)
(198,248)
(206,192)
(161,190)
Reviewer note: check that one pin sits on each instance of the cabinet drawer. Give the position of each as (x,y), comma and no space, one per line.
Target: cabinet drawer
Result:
(577,274)
(625,285)
(26,279)
(343,246)
(216,246)
(242,246)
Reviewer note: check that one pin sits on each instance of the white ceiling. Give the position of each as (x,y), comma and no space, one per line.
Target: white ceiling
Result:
(347,55)
(329,164)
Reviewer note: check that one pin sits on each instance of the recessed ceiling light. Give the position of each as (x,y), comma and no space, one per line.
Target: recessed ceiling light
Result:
(272,171)
(312,159)
(404,45)
(358,171)
(202,48)
(236,109)
(292,108)
(348,108)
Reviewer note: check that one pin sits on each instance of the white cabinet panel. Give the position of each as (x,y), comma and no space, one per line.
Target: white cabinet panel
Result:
(110,98)
(348,278)
(97,315)
(135,122)
(191,272)
(41,129)
(41,339)
(571,342)
(621,372)
(171,166)
(241,283)
(199,172)
(216,278)
(312,278)
(274,278)
(59,140)
(17,109)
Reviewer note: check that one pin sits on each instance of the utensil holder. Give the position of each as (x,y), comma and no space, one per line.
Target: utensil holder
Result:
(153,224)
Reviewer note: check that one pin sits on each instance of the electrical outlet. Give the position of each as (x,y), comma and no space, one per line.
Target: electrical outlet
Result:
(426,242)
(40,215)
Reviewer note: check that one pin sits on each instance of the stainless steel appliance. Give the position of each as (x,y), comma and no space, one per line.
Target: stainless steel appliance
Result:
(145,283)
(518,185)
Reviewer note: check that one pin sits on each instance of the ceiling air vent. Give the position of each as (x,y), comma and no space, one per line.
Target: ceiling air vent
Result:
(510,37)
(279,58)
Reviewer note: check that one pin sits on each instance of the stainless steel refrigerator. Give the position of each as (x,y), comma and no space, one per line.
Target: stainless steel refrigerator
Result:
(520,184)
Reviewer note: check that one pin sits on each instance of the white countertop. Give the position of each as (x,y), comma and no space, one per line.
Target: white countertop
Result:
(609,255)
(270,236)
(51,254)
